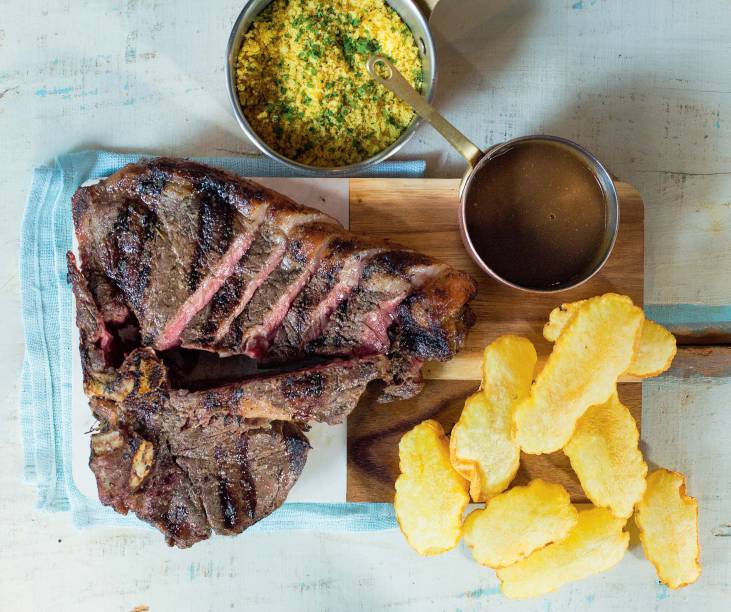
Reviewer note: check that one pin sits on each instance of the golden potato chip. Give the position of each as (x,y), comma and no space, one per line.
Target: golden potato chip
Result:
(519,521)
(559,318)
(430,494)
(668,522)
(481,444)
(508,364)
(604,452)
(595,544)
(597,345)
(654,354)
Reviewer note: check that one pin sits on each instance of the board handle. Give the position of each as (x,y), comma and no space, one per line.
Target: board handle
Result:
(689,362)
(467,365)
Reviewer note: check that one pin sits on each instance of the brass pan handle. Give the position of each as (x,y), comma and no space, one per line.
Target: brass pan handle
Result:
(392,79)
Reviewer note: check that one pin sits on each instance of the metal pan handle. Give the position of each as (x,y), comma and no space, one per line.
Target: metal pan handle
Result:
(392,79)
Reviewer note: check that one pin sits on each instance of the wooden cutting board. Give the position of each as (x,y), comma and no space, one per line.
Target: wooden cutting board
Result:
(422,214)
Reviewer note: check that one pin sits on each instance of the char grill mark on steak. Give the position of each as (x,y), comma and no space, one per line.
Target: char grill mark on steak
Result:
(247,476)
(212,324)
(210,236)
(432,323)
(224,236)
(129,251)
(360,325)
(253,329)
(334,281)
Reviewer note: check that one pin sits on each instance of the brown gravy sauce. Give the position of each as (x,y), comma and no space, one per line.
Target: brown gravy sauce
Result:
(536,215)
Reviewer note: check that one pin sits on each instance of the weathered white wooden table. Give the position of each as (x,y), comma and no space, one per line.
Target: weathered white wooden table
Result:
(645,85)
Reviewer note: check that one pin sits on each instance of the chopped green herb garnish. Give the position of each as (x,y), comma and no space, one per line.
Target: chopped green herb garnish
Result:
(297,47)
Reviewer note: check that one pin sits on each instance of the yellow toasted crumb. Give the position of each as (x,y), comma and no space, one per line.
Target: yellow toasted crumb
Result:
(303,85)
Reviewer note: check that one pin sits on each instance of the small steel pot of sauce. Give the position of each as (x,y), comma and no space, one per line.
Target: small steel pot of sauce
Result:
(538,213)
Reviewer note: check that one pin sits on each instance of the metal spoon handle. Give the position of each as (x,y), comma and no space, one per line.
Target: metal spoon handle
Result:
(395,81)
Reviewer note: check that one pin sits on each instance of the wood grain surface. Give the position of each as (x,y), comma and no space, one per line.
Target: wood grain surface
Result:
(701,362)
(710,361)
(374,431)
(422,214)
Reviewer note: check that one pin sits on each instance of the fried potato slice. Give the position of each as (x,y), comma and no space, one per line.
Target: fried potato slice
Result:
(604,452)
(596,347)
(668,522)
(519,521)
(595,544)
(430,494)
(656,351)
(481,444)
(559,318)
(654,354)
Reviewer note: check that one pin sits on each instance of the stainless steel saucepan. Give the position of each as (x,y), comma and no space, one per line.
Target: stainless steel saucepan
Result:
(386,74)
(415,14)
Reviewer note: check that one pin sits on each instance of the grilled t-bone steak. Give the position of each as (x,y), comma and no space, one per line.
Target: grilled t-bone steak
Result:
(177,255)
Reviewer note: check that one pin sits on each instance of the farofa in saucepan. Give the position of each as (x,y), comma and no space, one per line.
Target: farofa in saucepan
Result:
(303,85)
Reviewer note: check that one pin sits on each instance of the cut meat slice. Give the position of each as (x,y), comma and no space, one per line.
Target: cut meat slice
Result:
(192,271)
(251,333)
(325,393)
(432,322)
(168,234)
(212,324)
(337,276)
(360,325)
(206,289)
